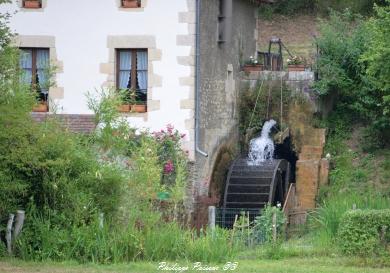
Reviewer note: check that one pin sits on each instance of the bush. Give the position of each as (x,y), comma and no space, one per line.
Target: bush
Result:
(353,68)
(287,7)
(377,58)
(263,229)
(326,220)
(364,232)
(297,7)
(170,153)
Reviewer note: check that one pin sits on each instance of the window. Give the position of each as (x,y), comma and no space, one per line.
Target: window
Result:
(34,63)
(32,4)
(225,8)
(132,72)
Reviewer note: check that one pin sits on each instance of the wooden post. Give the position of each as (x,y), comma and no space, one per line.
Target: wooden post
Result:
(249,232)
(19,221)
(212,218)
(234,227)
(274,227)
(8,234)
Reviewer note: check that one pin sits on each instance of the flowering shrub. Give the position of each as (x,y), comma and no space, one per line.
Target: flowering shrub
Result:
(169,152)
(169,167)
(295,60)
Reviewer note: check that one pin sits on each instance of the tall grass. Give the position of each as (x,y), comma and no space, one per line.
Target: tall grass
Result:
(44,240)
(326,218)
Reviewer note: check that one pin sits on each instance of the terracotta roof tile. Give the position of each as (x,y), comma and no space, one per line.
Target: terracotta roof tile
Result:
(76,123)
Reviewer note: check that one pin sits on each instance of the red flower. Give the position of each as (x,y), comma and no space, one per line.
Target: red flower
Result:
(169,167)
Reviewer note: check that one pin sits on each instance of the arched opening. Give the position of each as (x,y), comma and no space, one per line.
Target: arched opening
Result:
(285,151)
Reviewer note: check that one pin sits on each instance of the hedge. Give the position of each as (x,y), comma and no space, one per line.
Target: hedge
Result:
(364,232)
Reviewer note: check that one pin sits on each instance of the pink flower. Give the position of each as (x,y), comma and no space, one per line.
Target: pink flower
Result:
(170,128)
(168,167)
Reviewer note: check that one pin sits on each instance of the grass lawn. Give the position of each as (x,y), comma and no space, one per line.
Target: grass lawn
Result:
(310,264)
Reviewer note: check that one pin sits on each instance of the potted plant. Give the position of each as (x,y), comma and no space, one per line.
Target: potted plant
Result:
(42,106)
(31,4)
(131,3)
(139,107)
(128,98)
(296,63)
(252,65)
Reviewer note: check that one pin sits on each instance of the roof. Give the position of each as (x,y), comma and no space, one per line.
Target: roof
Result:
(73,122)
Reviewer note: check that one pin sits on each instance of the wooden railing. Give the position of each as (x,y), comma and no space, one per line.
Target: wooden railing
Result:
(290,202)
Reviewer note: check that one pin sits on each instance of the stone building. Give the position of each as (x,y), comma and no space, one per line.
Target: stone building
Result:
(182,57)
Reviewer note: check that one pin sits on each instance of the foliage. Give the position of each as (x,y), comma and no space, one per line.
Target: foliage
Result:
(377,57)
(145,238)
(364,232)
(48,167)
(364,7)
(355,180)
(264,224)
(243,230)
(298,7)
(112,129)
(146,172)
(351,54)
(128,96)
(170,152)
(286,7)
(217,246)
(342,41)
(328,216)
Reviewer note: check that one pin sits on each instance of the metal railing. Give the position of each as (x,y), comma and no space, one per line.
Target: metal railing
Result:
(225,217)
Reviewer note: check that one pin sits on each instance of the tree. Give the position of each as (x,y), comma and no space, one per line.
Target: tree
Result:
(377,58)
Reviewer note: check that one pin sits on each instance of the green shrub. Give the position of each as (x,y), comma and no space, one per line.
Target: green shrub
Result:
(364,232)
(264,225)
(353,68)
(325,221)
(377,57)
(297,7)
(170,153)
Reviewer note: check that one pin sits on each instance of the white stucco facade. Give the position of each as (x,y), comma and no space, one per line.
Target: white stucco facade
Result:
(82,33)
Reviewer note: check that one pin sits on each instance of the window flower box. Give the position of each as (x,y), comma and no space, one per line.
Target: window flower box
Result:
(134,108)
(252,65)
(253,68)
(296,63)
(138,108)
(41,107)
(124,108)
(131,3)
(296,67)
(32,4)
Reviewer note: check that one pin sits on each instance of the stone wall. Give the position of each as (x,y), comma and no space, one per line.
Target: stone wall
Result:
(219,81)
(297,81)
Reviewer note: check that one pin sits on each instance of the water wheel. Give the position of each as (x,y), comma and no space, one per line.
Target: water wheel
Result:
(249,188)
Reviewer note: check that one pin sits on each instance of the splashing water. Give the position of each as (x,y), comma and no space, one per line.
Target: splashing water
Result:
(262,148)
